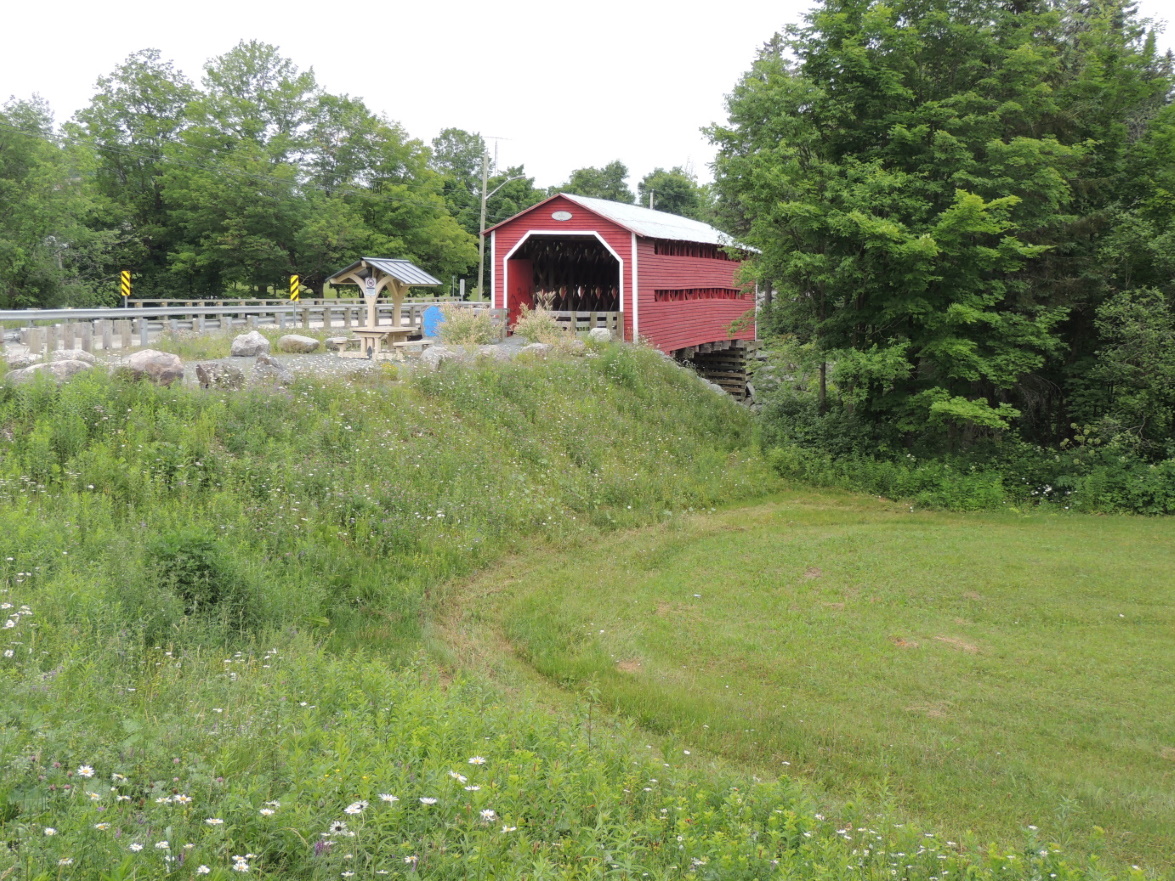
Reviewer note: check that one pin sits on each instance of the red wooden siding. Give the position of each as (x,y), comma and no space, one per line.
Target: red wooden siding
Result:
(702,313)
(675,325)
(539,219)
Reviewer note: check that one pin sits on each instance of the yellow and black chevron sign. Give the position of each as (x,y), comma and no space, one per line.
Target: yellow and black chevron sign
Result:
(295,288)
(124,283)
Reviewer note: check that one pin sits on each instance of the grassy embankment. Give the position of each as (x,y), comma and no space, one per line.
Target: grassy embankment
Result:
(216,601)
(220,606)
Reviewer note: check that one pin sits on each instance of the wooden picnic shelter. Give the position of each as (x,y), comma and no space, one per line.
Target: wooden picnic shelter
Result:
(375,275)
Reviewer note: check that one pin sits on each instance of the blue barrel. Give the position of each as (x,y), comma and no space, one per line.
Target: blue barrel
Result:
(431,322)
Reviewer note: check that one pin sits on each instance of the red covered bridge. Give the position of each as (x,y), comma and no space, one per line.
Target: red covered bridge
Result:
(664,278)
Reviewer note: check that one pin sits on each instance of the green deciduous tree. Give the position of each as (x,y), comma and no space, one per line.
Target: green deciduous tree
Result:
(138,111)
(1133,376)
(600,183)
(457,156)
(52,249)
(676,191)
(927,179)
(233,178)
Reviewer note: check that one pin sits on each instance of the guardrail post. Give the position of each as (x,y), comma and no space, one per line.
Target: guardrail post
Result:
(51,339)
(199,319)
(144,334)
(347,317)
(107,335)
(87,336)
(306,316)
(124,333)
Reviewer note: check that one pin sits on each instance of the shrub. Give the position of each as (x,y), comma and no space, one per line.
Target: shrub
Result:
(465,326)
(192,564)
(539,326)
(935,483)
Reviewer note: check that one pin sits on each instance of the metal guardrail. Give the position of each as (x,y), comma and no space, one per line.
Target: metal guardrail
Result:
(185,308)
(42,330)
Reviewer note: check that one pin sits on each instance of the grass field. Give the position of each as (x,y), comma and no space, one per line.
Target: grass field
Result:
(240,638)
(984,673)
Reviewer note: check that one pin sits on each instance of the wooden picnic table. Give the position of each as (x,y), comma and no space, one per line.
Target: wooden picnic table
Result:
(373,339)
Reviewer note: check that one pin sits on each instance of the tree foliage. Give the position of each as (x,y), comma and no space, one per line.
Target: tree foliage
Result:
(457,156)
(255,175)
(929,183)
(51,245)
(600,183)
(676,191)
(228,186)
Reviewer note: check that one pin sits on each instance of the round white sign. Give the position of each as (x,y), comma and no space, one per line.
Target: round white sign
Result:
(561,215)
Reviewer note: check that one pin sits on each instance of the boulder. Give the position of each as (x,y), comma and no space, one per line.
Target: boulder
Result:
(298,344)
(249,345)
(494,353)
(573,346)
(20,362)
(435,356)
(60,371)
(217,374)
(600,335)
(267,370)
(73,355)
(336,343)
(162,368)
(536,350)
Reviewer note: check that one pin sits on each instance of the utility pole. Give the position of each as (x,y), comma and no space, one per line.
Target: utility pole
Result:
(481,227)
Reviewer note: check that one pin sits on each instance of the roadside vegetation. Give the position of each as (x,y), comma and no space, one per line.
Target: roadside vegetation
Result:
(216,599)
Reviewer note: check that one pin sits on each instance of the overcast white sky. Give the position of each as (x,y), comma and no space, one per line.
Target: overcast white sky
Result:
(564,85)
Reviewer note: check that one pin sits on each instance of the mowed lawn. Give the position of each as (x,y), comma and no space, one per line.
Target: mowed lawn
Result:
(981,673)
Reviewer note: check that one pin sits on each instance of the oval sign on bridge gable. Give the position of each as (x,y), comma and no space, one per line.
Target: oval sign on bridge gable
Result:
(561,215)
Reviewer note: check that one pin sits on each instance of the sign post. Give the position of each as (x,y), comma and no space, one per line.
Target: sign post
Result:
(371,294)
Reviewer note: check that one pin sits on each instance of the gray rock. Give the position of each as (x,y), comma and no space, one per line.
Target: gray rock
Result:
(249,345)
(298,344)
(494,353)
(73,355)
(267,370)
(336,343)
(435,356)
(59,371)
(20,362)
(600,335)
(536,350)
(574,347)
(162,368)
(217,374)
